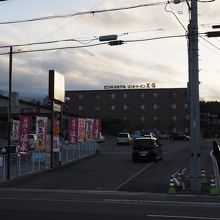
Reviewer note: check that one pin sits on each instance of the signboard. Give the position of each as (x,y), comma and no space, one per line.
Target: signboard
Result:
(41,132)
(132,86)
(72,131)
(56,86)
(24,130)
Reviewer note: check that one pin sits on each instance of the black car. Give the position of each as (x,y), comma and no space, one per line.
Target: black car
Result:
(179,136)
(146,148)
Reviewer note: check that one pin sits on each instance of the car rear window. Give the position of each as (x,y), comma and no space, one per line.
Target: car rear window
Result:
(146,144)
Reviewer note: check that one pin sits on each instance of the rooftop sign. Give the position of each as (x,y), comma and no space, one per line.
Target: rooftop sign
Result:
(132,86)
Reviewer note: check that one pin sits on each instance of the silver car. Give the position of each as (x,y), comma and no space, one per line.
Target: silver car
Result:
(124,138)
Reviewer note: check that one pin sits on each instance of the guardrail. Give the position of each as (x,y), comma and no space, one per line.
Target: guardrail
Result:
(35,161)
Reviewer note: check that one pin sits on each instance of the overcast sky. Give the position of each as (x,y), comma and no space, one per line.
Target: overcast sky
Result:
(164,61)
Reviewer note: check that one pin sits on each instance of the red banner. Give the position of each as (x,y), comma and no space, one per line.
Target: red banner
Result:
(73,131)
(24,131)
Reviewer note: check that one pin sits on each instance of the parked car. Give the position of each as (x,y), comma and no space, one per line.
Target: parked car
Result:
(149,134)
(124,138)
(146,148)
(179,136)
(136,134)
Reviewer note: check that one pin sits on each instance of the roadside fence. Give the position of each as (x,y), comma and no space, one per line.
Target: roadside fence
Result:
(35,161)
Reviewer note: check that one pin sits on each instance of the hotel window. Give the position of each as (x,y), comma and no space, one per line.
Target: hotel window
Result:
(155,94)
(112,95)
(174,130)
(174,118)
(186,130)
(155,118)
(186,106)
(142,95)
(97,108)
(125,95)
(81,108)
(187,117)
(125,107)
(80,96)
(172,94)
(142,118)
(173,106)
(125,118)
(156,106)
(142,107)
(113,107)
(96,96)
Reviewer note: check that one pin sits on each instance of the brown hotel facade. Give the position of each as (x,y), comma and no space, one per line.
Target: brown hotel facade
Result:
(164,109)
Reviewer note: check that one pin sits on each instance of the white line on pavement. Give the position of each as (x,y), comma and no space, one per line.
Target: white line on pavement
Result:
(129,179)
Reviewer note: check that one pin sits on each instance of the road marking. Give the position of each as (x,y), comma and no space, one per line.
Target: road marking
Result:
(182,217)
(129,179)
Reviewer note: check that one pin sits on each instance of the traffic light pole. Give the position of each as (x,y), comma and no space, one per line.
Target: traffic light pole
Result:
(194,98)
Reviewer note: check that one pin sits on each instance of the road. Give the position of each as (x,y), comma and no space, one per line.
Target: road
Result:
(110,186)
(68,204)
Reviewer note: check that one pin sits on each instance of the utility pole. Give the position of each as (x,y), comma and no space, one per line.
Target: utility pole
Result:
(9,114)
(193,87)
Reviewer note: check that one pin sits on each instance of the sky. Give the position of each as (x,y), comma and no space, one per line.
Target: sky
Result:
(163,61)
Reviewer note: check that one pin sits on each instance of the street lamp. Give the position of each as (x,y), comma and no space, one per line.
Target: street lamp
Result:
(67,103)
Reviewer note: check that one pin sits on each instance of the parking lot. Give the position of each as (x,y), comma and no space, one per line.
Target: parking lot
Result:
(112,169)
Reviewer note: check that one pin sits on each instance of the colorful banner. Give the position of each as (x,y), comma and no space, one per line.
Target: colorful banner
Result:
(15,130)
(56,129)
(89,129)
(96,128)
(41,132)
(81,129)
(24,131)
(72,131)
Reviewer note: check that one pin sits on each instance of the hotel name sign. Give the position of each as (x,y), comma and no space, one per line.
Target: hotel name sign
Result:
(132,86)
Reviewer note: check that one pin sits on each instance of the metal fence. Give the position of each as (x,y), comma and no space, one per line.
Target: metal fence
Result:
(35,161)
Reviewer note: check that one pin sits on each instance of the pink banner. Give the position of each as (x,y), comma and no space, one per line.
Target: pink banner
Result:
(96,128)
(81,129)
(73,131)
(25,125)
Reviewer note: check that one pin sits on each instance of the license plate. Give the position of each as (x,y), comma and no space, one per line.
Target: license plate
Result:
(144,153)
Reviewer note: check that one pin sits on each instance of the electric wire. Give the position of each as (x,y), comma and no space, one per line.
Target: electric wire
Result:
(92,45)
(83,13)
(168,3)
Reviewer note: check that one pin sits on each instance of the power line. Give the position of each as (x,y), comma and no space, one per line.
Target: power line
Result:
(91,45)
(83,13)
